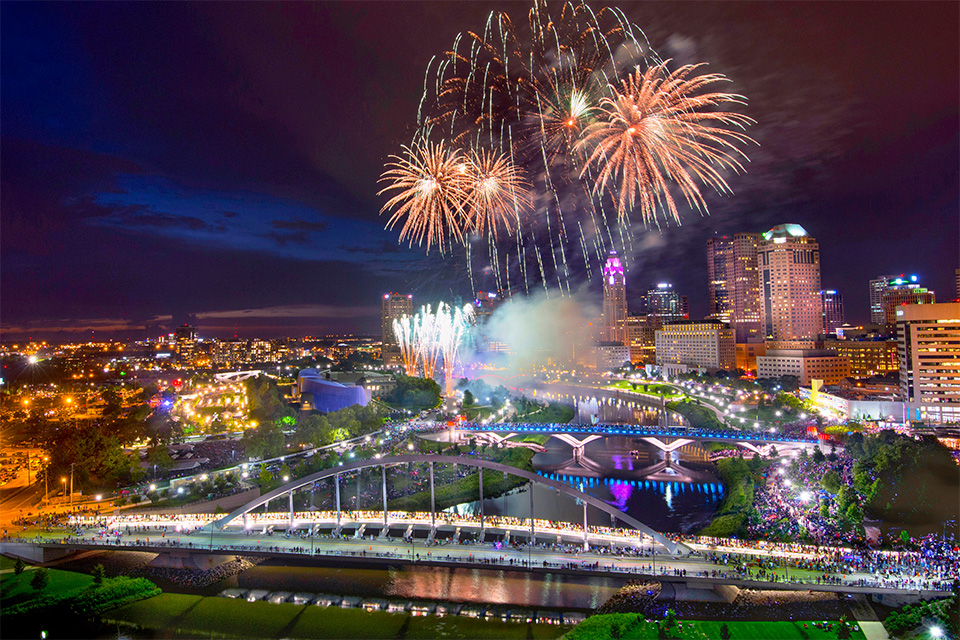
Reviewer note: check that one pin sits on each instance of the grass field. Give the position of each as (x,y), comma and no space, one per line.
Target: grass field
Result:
(652,389)
(158,612)
(239,618)
(602,627)
(15,589)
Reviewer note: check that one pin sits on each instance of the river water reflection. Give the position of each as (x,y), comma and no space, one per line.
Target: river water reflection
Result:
(456,585)
(678,492)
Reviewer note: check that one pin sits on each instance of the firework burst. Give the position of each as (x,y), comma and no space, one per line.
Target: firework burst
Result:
(657,129)
(497,194)
(431,180)
(537,125)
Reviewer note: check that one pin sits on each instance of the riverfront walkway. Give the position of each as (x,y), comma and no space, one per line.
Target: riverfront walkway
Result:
(316,537)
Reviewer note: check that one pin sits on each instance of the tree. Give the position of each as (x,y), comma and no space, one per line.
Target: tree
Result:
(284,472)
(18,567)
(99,573)
(725,631)
(160,456)
(846,498)
(818,456)
(854,513)
(265,476)
(40,579)
(830,481)
(824,508)
(467,398)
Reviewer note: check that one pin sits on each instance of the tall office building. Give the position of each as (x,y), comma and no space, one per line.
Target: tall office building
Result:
(877,286)
(185,344)
(665,305)
(614,301)
(928,337)
(899,293)
(746,287)
(720,266)
(392,307)
(734,288)
(832,303)
(789,267)
(696,343)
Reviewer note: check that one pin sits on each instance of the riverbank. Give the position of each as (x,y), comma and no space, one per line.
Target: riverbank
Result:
(731,518)
(186,616)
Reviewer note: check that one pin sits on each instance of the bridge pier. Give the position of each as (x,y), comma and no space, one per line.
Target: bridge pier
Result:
(384,477)
(481,502)
(533,533)
(290,496)
(586,545)
(433,506)
(336,482)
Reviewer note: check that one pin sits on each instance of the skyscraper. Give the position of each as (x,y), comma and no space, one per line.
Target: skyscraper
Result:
(877,286)
(733,283)
(666,305)
(614,318)
(899,293)
(789,263)
(720,266)
(392,307)
(929,346)
(832,303)
(746,287)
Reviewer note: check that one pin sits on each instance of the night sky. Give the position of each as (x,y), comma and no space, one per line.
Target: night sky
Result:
(217,162)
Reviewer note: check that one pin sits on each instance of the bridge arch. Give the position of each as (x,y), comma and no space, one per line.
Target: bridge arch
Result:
(672,546)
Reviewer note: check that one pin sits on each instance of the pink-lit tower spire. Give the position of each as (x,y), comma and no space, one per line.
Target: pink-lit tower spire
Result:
(614,301)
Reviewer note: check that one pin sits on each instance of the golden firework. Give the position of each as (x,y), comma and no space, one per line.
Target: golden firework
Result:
(659,128)
(497,195)
(432,182)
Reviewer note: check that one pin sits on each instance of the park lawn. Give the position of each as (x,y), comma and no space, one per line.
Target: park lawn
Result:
(15,589)
(238,617)
(426,627)
(7,563)
(334,622)
(600,627)
(651,389)
(157,612)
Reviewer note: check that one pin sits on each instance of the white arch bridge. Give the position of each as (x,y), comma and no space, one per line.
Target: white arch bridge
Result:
(585,499)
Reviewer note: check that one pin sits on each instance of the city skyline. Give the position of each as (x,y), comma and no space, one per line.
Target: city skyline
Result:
(131,205)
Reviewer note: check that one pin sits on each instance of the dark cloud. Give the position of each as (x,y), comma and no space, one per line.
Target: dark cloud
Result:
(284,239)
(384,247)
(299,225)
(282,125)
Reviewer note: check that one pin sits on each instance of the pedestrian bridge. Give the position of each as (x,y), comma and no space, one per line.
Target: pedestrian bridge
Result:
(578,435)
(383,463)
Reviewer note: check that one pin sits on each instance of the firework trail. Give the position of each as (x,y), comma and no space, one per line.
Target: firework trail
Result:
(428,335)
(403,329)
(535,143)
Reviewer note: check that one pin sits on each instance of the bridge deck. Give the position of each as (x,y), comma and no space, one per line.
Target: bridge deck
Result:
(458,556)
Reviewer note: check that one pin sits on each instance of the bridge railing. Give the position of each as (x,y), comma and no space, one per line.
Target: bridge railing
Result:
(433,556)
(610,429)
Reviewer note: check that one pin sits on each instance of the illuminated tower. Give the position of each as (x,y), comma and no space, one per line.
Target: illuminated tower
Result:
(614,301)
(877,286)
(719,277)
(733,285)
(832,303)
(393,307)
(789,263)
